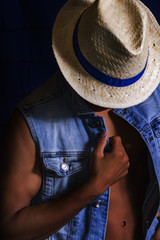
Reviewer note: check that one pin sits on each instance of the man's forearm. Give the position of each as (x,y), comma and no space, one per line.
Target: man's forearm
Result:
(42,220)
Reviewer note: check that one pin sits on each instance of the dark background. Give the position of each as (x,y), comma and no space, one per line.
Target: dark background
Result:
(26,57)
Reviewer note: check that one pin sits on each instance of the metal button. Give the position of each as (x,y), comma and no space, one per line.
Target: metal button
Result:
(94,123)
(65,167)
(98,204)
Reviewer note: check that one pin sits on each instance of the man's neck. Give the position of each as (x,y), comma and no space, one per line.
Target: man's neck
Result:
(97,109)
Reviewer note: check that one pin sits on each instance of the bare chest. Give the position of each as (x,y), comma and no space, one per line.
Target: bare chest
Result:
(127,195)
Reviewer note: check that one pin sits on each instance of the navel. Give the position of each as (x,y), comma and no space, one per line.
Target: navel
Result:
(124,223)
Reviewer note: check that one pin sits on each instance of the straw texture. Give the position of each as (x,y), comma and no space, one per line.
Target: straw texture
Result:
(117,37)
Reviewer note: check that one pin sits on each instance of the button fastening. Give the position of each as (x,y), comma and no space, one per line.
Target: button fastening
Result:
(94,122)
(98,204)
(65,167)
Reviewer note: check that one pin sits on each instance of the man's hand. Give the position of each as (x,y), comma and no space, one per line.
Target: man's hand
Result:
(107,168)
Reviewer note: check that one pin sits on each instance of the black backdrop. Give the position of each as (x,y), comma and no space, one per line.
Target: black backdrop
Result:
(26,57)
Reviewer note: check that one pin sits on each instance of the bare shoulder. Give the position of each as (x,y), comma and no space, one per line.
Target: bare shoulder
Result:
(20,170)
(19,147)
(18,127)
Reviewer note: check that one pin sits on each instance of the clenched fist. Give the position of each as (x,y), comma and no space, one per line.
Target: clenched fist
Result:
(107,168)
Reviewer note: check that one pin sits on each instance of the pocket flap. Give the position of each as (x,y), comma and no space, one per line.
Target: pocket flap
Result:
(65,163)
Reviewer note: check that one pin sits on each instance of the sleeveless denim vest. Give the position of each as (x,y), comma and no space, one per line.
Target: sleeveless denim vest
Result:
(65,131)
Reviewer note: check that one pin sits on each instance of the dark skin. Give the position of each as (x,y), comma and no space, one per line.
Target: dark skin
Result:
(124,217)
(21,179)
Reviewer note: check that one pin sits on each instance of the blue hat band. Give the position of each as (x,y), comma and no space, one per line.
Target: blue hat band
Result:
(97,74)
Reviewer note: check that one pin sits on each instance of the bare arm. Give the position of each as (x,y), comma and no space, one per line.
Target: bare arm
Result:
(21,180)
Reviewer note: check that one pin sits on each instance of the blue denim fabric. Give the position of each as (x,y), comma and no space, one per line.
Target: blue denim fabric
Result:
(65,131)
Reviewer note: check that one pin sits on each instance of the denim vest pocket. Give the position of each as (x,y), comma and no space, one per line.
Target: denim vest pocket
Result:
(63,171)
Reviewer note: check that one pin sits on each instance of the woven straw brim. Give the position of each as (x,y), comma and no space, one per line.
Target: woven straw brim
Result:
(84,84)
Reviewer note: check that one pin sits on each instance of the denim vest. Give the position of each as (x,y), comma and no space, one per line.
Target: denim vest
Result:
(65,131)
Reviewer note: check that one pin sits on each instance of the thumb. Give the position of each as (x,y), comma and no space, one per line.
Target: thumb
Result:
(100,145)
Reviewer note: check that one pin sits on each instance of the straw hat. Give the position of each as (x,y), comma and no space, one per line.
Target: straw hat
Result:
(108,50)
